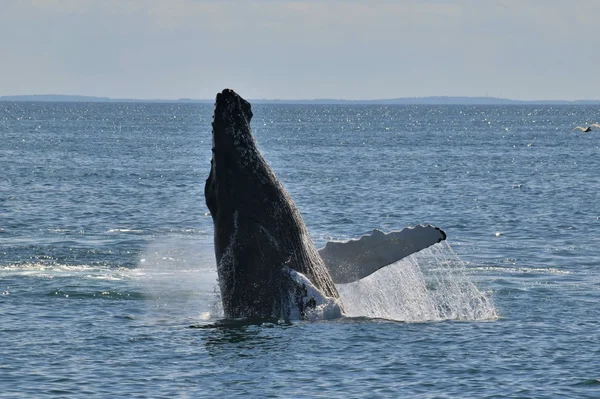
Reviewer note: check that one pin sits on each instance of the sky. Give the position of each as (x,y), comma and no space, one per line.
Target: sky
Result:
(304,49)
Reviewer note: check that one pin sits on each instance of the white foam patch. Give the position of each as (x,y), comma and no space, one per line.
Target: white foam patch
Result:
(125,231)
(57,270)
(430,285)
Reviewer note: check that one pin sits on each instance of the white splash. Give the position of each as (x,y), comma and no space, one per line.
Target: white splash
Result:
(179,279)
(430,285)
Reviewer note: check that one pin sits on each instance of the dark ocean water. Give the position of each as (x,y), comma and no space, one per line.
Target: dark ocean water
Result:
(106,257)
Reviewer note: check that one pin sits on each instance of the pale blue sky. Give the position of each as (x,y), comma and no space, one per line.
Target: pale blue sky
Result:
(355,49)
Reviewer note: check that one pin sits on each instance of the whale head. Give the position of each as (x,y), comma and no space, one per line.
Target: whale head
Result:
(231,126)
(258,231)
(240,183)
(234,156)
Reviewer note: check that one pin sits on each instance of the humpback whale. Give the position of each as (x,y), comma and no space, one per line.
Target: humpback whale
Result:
(267,264)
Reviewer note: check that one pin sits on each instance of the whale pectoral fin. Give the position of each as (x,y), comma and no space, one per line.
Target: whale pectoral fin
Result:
(352,260)
(308,302)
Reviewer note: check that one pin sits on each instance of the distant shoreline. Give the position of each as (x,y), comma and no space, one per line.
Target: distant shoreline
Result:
(434,100)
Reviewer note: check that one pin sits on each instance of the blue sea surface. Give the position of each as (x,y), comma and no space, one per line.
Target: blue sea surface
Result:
(106,251)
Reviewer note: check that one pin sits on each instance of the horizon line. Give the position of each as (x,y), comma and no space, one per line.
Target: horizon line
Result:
(401,100)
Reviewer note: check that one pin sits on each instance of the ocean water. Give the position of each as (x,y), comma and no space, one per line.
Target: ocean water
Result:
(108,283)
